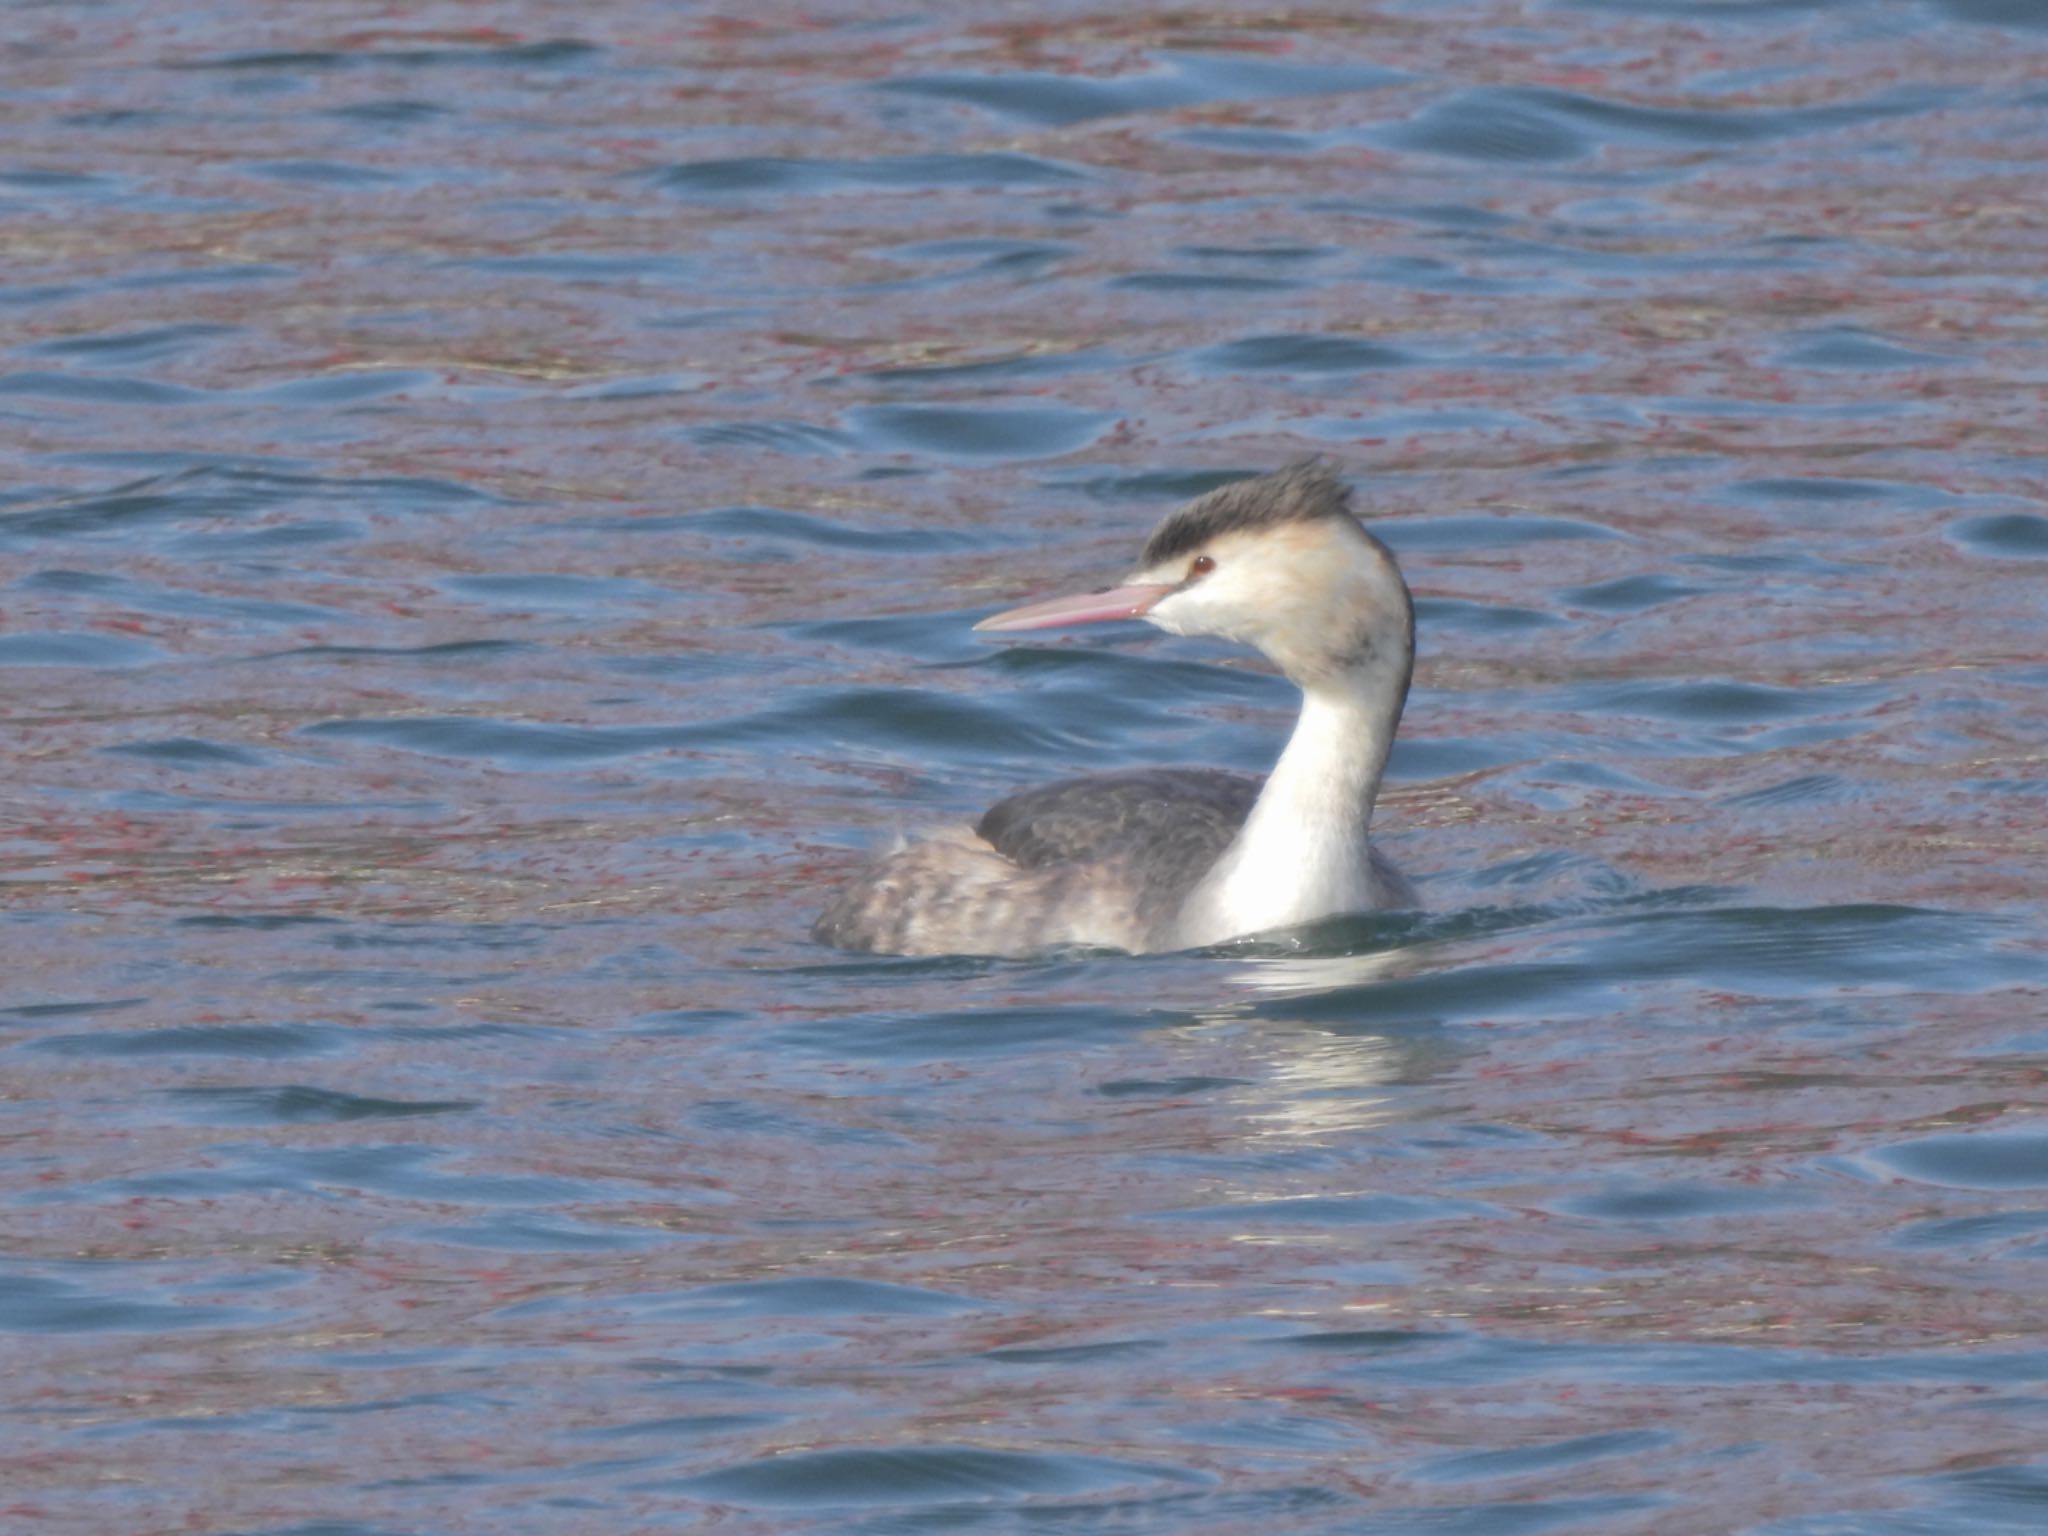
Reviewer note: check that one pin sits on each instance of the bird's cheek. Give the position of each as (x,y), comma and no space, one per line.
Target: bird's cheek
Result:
(1187,612)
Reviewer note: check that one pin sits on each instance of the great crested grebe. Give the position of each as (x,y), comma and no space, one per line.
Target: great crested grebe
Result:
(1175,858)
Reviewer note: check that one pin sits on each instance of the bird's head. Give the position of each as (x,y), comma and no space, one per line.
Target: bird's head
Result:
(1279,563)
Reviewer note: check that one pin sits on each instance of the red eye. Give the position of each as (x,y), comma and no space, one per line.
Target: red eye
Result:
(1201,565)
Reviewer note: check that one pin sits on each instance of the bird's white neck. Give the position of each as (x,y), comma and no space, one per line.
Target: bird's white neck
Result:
(1302,852)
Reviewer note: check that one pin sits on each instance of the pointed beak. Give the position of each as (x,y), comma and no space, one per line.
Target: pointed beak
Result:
(1081,608)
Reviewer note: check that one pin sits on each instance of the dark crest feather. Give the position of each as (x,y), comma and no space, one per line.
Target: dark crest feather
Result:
(1304,492)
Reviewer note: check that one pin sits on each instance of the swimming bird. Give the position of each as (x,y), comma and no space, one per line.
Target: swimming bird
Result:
(1176,858)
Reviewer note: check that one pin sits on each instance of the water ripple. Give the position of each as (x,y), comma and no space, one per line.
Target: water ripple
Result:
(923,1475)
(1178,80)
(796,176)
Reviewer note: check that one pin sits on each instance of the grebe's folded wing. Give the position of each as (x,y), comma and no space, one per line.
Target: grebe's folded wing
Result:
(1194,812)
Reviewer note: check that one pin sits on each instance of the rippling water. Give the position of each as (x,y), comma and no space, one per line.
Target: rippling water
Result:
(494,502)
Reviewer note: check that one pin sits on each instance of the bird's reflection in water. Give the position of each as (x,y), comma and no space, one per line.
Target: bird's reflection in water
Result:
(1320,1074)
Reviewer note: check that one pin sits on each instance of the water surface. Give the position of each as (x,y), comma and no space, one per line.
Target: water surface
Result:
(494,507)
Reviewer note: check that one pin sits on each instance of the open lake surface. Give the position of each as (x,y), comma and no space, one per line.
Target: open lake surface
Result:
(494,500)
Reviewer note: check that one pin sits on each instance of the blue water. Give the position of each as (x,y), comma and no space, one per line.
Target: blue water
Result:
(495,508)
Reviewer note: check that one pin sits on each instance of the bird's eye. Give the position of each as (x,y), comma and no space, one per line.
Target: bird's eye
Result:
(1201,565)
